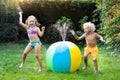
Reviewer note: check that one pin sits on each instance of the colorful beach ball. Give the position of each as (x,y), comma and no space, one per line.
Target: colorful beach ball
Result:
(63,56)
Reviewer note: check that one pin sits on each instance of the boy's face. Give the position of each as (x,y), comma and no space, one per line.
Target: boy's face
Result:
(86,29)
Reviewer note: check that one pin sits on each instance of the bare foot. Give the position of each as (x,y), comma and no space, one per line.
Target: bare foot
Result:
(84,67)
(21,66)
(96,71)
(39,70)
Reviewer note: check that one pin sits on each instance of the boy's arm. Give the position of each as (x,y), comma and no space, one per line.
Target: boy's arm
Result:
(76,36)
(81,37)
(40,33)
(21,22)
(100,37)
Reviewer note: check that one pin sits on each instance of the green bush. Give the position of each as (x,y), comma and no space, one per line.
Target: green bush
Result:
(54,33)
(48,12)
(110,21)
(63,20)
(51,35)
(8,21)
(8,32)
(8,12)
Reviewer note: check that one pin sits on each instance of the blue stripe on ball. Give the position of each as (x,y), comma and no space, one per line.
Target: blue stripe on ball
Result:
(61,58)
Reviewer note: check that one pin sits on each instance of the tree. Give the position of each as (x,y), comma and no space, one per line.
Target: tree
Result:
(110,22)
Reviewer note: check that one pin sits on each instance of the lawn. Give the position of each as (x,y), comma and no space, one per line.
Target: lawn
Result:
(10,59)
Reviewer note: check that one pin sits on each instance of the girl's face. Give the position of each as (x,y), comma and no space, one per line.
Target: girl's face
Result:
(31,21)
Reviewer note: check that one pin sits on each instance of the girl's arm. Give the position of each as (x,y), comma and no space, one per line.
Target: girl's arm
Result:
(21,22)
(76,36)
(40,33)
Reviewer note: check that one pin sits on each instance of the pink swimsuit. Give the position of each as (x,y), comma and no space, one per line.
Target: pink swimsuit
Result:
(32,30)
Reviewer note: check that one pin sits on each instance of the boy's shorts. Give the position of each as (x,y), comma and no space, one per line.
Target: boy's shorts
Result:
(91,51)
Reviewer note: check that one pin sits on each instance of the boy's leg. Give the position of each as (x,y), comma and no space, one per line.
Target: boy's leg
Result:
(95,64)
(26,51)
(95,55)
(37,51)
(85,60)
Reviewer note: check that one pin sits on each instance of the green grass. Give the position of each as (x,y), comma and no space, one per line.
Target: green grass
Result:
(10,59)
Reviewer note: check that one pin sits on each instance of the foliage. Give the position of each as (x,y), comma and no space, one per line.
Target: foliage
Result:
(54,30)
(82,21)
(8,20)
(50,11)
(51,35)
(56,0)
(46,11)
(8,33)
(63,20)
(8,11)
(110,17)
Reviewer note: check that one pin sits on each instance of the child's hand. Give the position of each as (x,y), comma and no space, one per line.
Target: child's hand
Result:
(72,32)
(43,28)
(20,13)
(102,40)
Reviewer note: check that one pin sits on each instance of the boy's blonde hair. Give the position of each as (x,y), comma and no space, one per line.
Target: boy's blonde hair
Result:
(89,25)
(36,21)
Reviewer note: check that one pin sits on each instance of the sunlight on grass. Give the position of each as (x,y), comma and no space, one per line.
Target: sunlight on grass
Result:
(10,58)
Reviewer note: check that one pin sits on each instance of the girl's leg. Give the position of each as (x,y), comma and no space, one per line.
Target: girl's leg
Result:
(95,64)
(37,51)
(85,60)
(26,51)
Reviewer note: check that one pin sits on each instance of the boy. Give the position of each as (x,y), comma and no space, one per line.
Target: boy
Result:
(91,48)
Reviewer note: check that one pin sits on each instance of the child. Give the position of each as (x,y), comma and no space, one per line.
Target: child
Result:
(91,47)
(31,26)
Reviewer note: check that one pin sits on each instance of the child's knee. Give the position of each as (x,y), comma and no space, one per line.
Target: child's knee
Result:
(95,59)
(24,54)
(85,55)
(37,56)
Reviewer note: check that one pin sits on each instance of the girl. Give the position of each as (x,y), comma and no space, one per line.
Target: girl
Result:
(31,26)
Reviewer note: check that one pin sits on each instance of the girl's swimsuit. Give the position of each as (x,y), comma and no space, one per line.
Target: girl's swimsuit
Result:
(33,31)
(33,44)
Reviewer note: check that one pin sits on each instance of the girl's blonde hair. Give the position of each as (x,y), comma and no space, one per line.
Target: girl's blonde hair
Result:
(36,21)
(89,25)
